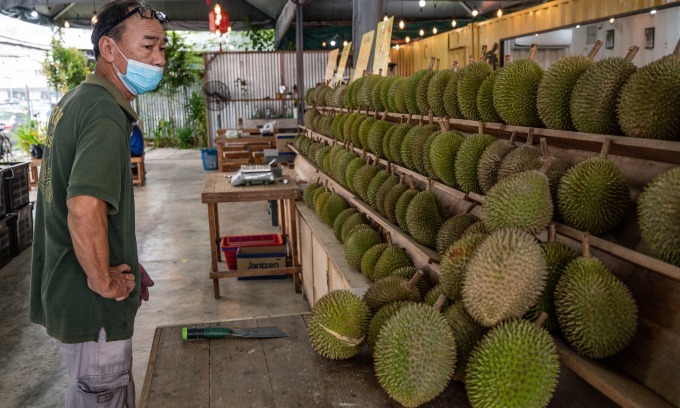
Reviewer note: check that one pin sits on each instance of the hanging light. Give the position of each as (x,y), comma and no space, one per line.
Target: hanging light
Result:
(421,32)
(396,46)
(421,3)
(94,18)
(332,43)
(218,20)
(385,18)
(611,20)
(475,12)
(344,43)
(499,13)
(652,12)
(453,23)
(66,24)
(434,30)
(578,25)
(407,39)
(402,24)
(34,13)
(323,44)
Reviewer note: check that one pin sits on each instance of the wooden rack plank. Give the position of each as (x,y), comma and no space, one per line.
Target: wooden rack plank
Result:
(617,386)
(645,261)
(664,151)
(410,245)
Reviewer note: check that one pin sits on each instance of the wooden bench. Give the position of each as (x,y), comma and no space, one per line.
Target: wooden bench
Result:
(138,179)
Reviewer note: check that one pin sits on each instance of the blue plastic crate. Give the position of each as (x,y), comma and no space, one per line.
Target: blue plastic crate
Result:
(209,157)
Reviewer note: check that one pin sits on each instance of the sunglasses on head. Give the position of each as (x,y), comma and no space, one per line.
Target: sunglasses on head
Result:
(144,12)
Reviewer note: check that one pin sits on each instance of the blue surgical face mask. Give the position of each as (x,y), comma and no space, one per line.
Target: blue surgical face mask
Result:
(140,78)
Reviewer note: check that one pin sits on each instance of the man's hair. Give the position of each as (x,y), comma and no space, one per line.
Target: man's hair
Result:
(108,15)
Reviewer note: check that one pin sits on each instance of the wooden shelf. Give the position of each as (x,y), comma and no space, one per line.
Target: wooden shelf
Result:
(615,385)
(647,149)
(424,258)
(645,261)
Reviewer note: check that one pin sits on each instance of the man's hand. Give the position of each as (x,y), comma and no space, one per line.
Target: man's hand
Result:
(146,284)
(116,285)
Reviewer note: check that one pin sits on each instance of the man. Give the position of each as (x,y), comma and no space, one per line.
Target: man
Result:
(85,282)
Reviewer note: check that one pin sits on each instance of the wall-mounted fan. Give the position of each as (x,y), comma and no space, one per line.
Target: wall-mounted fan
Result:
(218,95)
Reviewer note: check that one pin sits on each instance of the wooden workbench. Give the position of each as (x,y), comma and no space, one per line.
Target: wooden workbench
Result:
(286,372)
(218,189)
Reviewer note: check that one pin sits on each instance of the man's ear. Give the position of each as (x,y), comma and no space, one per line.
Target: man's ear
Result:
(106,48)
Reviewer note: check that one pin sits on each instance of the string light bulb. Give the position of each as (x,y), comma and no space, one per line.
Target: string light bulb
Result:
(475,12)
(453,23)
(344,43)
(66,24)
(396,46)
(323,44)
(407,39)
(499,13)
(332,43)
(434,30)
(421,3)
(94,18)
(421,32)
(401,24)
(611,20)
(34,13)
(652,12)
(385,18)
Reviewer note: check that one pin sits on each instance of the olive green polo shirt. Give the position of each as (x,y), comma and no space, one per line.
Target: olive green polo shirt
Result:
(87,152)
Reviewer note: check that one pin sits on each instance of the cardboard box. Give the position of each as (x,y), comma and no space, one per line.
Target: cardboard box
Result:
(282,140)
(262,257)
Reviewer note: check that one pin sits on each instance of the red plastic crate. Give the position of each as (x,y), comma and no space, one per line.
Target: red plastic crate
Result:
(230,245)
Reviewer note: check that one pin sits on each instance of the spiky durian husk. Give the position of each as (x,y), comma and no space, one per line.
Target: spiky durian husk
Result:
(593,196)
(443,153)
(389,289)
(374,186)
(467,334)
(522,201)
(490,163)
(421,93)
(594,97)
(370,258)
(596,311)
(423,218)
(418,147)
(466,161)
(469,81)
(376,135)
(485,107)
(333,207)
(385,187)
(340,221)
(379,319)
(358,243)
(396,141)
(557,257)
(450,98)
(454,264)
(514,93)
(415,355)
(338,324)
(452,230)
(435,91)
(530,367)
(649,102)
(659,216)
(554,91)
(391,199)
(504,278)
(411,88)
(392,259)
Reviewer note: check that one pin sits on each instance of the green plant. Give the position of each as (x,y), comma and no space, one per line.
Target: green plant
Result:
(261,39)
(64,67)
(28,134)
(164,135)
(196,116)
(185,138)
(183,65)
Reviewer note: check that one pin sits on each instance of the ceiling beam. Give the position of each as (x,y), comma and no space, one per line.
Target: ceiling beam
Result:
(249,2)
(286,19)
(63,11)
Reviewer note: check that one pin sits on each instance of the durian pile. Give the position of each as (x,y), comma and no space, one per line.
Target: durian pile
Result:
(611,96)
(496,278)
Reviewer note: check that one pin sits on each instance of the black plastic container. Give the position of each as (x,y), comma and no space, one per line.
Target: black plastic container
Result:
(16,185)
(5,240)
(21,229)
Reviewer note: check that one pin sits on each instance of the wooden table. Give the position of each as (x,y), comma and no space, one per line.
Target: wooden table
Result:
(218,189)
(287,372)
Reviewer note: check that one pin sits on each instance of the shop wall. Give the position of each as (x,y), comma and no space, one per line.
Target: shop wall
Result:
(545,17)
(263,73)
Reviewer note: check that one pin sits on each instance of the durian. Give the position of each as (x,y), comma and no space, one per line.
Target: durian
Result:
(659,216)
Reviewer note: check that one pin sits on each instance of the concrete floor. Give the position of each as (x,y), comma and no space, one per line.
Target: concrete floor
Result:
(172,234)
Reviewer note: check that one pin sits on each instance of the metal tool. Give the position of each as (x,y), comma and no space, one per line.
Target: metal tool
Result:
(223,332)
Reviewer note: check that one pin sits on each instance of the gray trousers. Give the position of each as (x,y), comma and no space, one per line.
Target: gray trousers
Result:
(100,374)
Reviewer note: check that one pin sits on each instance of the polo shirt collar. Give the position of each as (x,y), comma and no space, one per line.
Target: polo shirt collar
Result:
(117,95)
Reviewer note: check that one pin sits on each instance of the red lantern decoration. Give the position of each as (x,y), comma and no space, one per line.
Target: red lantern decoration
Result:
(219,21)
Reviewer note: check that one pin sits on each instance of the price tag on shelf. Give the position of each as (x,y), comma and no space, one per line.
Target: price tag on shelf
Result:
(340,73)
(381,56)
(364,54)
(332,62)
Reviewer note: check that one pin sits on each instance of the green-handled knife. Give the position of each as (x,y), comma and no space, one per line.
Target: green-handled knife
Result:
(223,332)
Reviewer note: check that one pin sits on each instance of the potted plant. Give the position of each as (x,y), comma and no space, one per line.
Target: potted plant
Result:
(31,138)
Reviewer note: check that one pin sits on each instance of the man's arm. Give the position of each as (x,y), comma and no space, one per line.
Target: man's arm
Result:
(88,225)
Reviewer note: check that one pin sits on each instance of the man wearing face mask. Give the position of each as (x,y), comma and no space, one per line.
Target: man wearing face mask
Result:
(86,281)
